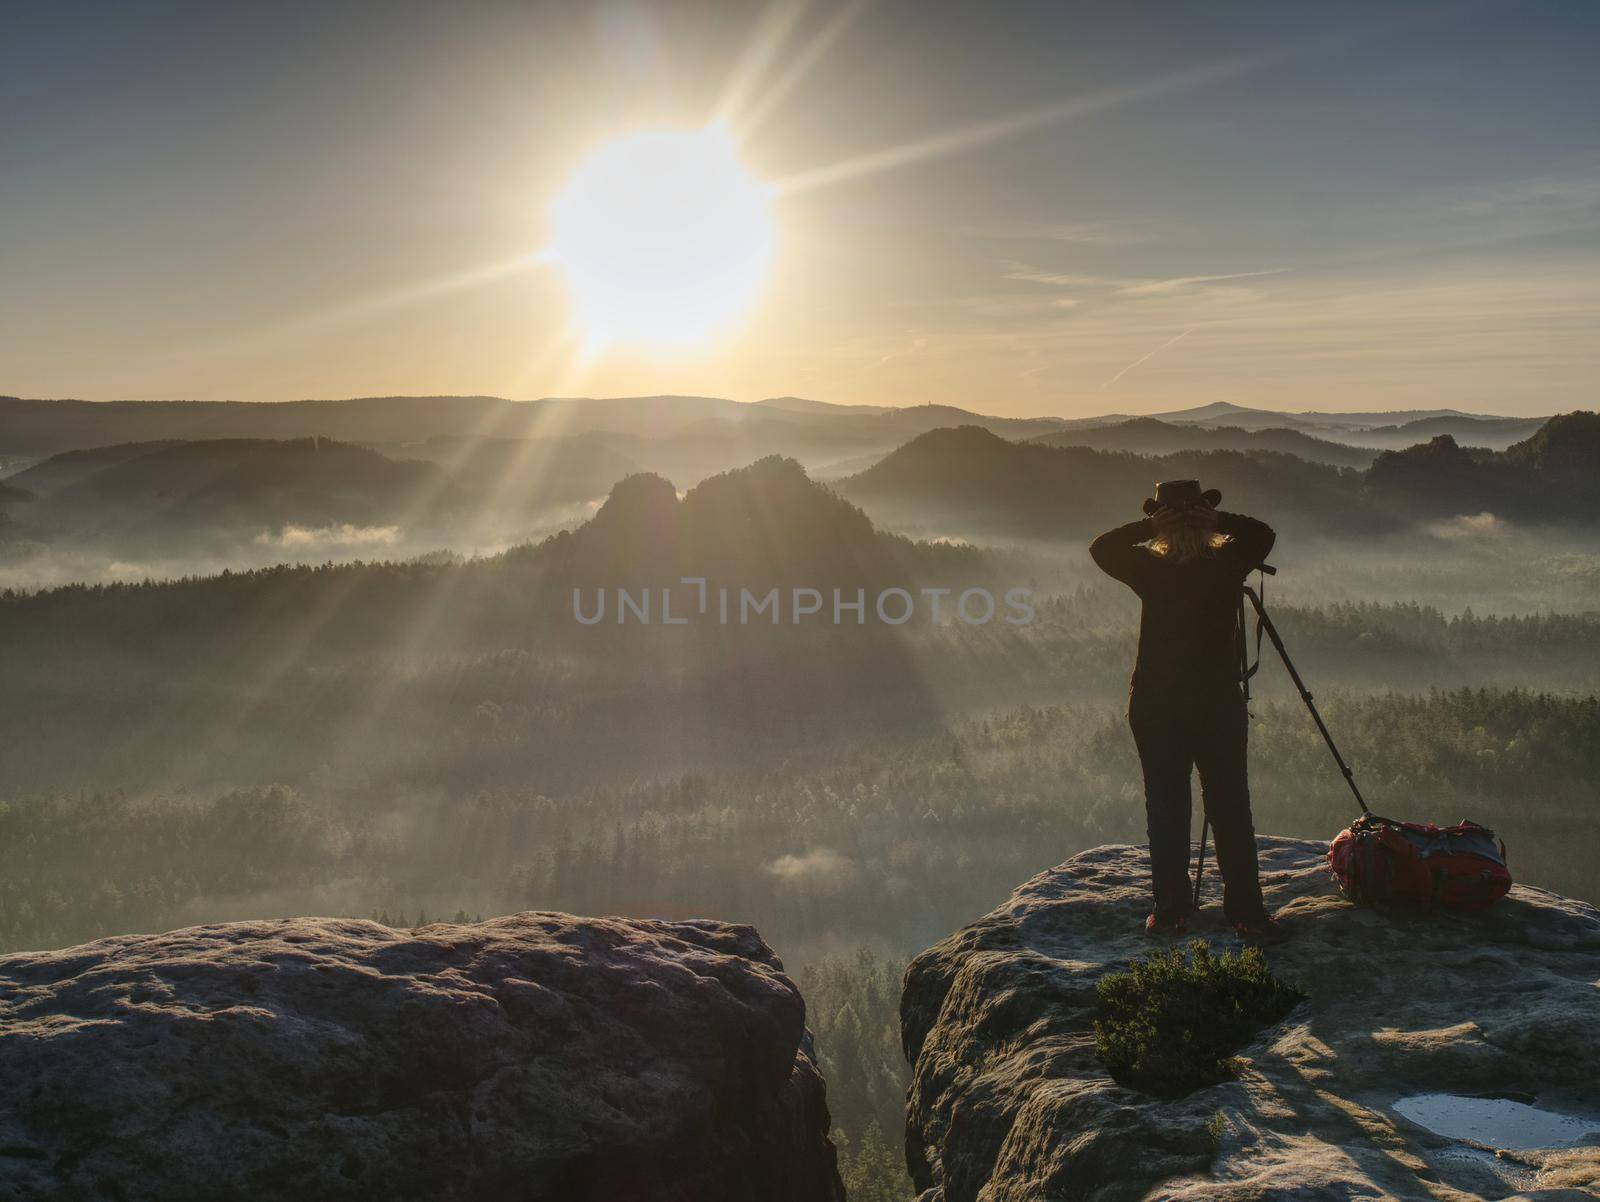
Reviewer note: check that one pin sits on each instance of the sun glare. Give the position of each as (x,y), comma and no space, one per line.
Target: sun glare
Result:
(664,237)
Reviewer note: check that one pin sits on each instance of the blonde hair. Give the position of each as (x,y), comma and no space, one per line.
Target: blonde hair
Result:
(1186,543)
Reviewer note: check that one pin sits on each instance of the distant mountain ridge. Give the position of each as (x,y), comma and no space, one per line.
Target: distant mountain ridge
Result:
(1376,429)
(47,427)
(972,482)
(1151,436)
(30,427)
(999,479)
(1247,417)
(1227,411)
(969,482)
(799,404)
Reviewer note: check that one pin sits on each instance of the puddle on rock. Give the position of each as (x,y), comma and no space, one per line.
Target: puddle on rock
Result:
(1496,1123)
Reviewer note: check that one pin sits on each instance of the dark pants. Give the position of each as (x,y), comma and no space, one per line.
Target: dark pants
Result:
(1176,734)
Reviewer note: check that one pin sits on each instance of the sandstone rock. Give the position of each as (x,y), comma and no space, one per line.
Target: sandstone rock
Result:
(536,1056)
(1009,1102)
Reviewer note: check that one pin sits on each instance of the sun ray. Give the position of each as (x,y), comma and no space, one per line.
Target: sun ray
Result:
(1011,125)
(360,309)
(410,294)
(540,430)
(295,651)
(744,124)
(772,30)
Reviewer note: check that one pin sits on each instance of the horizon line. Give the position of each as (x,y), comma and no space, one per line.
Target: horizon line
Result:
(764,400)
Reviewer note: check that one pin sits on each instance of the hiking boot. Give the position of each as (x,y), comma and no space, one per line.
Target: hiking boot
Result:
(1263,932)
(1159,927)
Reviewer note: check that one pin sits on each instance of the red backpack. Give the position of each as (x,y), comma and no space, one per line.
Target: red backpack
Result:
(1378,861)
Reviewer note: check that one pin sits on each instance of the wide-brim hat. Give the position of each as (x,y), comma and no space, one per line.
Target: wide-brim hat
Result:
(1181,494)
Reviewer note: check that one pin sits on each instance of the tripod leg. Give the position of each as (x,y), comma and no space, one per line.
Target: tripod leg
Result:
(1305,695)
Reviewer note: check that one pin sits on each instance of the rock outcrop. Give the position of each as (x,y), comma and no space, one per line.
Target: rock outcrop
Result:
(1009,1101)
(536,1056)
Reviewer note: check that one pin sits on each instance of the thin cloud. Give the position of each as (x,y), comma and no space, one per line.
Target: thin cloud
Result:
(1540,206)
(1488,335)
(1179,283)
(910,348)
(1138,287)
(1066,279)
(1079,233)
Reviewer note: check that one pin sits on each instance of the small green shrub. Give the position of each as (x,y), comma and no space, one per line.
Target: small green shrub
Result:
(1170,1024)
(1216,1128)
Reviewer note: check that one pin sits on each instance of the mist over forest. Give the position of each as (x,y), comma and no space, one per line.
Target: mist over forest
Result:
(571,576)
(343,657)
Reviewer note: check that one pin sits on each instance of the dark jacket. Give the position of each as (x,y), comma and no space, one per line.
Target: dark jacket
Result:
(1186,632)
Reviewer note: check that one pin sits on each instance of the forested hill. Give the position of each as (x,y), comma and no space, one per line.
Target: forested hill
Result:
(969,481)
(255,484)
(117,683)
(70,467)
(982,486)
(46,427)
(1552,477)
(766,524)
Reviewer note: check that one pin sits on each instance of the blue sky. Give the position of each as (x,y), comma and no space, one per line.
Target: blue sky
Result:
(1022,208)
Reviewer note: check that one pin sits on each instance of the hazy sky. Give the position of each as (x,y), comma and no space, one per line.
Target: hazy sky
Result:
(1021,208)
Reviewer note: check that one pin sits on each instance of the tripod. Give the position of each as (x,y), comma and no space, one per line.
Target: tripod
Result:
(1246,671)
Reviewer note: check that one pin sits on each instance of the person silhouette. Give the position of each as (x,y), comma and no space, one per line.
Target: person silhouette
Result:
(1187,562)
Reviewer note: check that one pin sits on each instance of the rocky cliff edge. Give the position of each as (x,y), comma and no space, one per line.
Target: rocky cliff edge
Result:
(1009,1101)
(535,1056)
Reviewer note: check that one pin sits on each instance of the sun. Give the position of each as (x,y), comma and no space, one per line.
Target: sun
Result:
(664,238)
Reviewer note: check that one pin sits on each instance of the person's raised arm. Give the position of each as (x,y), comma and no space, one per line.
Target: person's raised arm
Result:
(1118,554)
(1251,539)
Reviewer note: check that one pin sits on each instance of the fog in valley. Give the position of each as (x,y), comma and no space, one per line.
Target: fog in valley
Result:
(344,664)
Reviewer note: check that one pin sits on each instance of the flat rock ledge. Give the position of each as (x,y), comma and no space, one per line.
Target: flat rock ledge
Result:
(1009,1102)
(535,1056)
